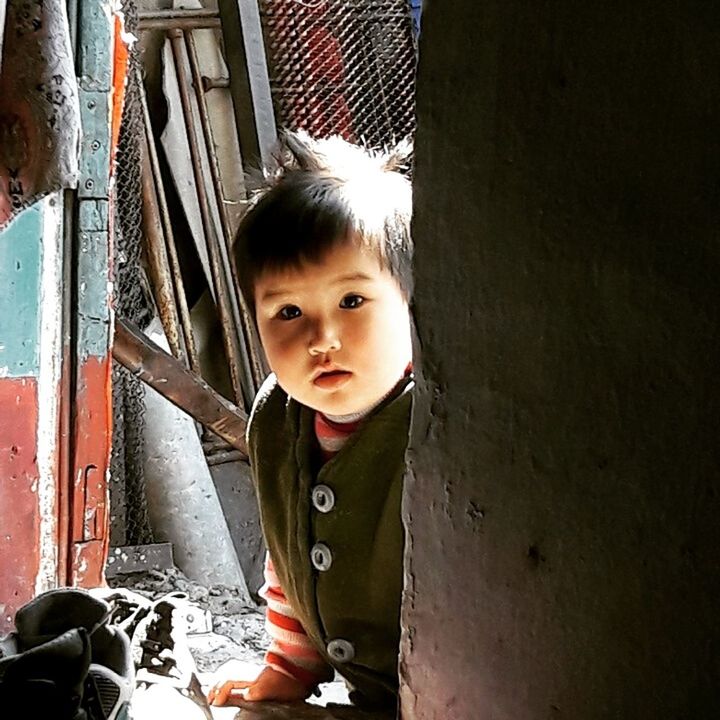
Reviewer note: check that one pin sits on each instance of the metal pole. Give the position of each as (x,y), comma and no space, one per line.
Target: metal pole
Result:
(249,82)
(241,315)
(158,261)
(229,333)
(180,299)
(178,19)
(183,388)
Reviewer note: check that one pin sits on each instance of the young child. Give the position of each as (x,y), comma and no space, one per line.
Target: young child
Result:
(324,262)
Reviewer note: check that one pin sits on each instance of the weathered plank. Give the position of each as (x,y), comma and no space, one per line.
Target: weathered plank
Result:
(89,521)
(30,261)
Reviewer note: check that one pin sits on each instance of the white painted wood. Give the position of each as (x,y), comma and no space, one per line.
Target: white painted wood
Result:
(3,8)
(50,368)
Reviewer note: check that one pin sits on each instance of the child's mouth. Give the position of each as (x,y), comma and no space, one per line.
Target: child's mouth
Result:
(332,379)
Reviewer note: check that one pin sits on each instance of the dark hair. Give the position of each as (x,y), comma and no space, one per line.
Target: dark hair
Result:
(322,194)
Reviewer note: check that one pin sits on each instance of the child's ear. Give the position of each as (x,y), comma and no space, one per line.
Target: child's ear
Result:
(297,150)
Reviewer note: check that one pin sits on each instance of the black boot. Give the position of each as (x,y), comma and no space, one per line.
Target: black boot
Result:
(47,681)
(108,676)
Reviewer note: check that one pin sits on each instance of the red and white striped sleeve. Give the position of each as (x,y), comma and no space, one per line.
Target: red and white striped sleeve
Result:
(291,651)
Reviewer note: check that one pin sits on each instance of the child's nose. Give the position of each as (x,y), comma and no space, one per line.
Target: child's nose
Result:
(324,338)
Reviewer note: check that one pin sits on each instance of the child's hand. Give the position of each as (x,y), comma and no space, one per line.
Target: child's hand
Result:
(269,685)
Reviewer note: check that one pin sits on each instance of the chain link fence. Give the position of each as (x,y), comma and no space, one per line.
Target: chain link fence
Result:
(129,523)
(343,67)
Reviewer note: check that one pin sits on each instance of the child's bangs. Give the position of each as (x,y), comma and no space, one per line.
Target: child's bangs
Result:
(308,238)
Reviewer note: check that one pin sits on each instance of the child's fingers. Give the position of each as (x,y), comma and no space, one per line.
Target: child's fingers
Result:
(220,692)
(254,693)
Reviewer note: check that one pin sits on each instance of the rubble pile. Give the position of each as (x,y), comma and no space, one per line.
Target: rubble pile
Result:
(234,630)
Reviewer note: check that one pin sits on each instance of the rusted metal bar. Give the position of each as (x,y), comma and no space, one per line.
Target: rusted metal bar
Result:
(229,332)
(178,13)
(179,287)
(65,422)
(179,24)
(209,83)
(178,19)
(249,82)
(240,314)
(180,386)
(158,262)
(212,443)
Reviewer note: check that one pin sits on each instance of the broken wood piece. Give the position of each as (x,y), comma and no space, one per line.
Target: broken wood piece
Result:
(180,386)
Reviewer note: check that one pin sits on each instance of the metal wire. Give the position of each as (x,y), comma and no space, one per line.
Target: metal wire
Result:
(129,523)
(342,67)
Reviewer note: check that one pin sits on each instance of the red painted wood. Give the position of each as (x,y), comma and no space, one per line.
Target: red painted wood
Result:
(19,511)
(89,518)
(64,454)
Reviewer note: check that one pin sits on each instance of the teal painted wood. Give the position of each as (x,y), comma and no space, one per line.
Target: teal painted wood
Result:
(20,264)
(95,49)
(94,215)
(94,254)
(93,298)
(95,145)
(95,46)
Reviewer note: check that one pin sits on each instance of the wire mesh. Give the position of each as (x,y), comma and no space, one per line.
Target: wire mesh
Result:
(129,523)
(342,67)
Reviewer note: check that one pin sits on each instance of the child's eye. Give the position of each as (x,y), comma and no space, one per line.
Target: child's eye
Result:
(289,312)
(350,302)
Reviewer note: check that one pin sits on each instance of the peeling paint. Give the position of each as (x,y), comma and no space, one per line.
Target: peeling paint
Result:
(86,572)
(19,513)
(19,309)
(93,432)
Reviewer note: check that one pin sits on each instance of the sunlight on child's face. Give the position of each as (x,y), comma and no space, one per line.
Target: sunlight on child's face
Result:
(336,333)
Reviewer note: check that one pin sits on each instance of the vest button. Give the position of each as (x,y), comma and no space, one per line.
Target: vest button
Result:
(323,498)
(340,650)
(321,557)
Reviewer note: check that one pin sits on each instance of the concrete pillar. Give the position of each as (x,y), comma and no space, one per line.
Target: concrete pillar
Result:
(563,511)
(183,503)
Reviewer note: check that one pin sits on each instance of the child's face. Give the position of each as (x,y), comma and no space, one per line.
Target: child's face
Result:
(336,333)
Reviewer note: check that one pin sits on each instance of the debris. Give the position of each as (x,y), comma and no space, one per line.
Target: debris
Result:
(238,629)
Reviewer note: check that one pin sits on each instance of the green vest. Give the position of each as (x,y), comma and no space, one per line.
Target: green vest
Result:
(351,609)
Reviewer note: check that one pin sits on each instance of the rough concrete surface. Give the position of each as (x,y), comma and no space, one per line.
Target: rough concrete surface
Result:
(565,456)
